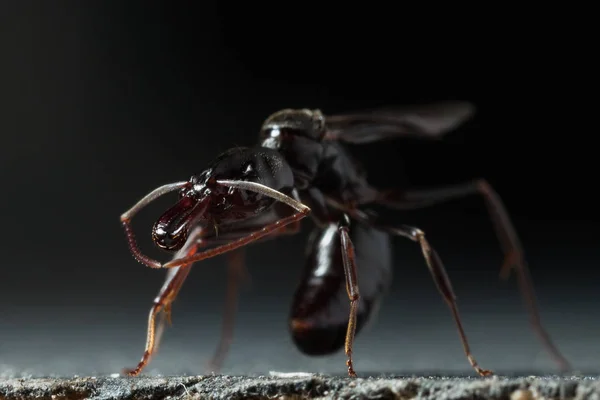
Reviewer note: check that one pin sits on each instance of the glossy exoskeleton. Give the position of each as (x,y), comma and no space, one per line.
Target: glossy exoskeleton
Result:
(301,167)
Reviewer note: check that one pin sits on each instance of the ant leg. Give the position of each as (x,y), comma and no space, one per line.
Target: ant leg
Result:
(237,272)
(349,263)
(438,272)
(435,266)
(503,225)
(507,235)
(162,302)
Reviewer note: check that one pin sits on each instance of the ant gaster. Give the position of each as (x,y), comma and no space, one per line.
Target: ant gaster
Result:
(301,167)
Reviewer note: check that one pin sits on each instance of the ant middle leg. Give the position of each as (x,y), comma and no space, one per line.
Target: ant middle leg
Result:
(349,262)
(506,233)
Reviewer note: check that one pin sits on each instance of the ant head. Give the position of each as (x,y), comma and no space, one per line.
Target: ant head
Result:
(202,197)
(303,122)
(171,230)
(256,164)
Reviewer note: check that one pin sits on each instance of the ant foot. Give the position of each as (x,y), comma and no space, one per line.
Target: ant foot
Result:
(351,372)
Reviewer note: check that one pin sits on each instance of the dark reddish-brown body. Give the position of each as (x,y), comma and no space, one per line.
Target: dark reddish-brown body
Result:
(301,167)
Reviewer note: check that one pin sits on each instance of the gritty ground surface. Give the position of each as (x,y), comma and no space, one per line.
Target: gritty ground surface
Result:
(302,386)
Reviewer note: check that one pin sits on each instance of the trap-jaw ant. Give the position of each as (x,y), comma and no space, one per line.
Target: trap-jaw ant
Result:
(300,167)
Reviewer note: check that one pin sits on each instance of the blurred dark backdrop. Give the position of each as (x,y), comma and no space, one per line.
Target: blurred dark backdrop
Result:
(103,101)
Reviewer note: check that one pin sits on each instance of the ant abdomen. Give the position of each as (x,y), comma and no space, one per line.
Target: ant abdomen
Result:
(320,309)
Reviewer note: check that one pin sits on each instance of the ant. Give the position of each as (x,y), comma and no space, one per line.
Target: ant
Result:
(301,168)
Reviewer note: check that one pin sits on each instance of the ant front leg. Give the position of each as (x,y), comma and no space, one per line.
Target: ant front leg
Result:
(162,302)
(176,276)
(349,262)
(506,233)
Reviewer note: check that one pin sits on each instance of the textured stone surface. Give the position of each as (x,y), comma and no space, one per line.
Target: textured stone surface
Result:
(289,386)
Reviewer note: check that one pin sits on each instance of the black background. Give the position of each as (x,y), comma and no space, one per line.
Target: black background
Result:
(103,101)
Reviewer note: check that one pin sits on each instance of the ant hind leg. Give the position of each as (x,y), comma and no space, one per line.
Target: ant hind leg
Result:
(513,251)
